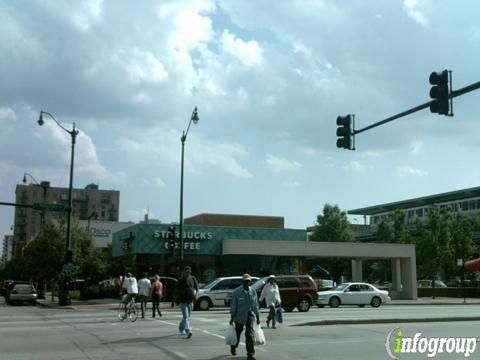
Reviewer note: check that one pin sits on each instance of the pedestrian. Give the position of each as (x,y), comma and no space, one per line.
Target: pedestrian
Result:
(185,294)
(271,294)
(243,311)
(156,293)
(130,286)
(144,287)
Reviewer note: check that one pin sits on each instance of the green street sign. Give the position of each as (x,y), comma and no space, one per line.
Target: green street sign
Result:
(49,207)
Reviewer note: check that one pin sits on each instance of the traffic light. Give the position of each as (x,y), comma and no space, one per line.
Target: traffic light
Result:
(440,93)
(171,238)
(345,132)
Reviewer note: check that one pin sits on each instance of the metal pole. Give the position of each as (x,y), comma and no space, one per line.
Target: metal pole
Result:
(181,203)
(463,280)
(73,134)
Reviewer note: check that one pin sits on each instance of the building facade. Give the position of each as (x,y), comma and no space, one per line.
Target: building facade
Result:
(147,245)
(90,202)
(465,201)
(7,252)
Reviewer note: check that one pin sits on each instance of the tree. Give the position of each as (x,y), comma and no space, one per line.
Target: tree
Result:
(434,246)
(333,226)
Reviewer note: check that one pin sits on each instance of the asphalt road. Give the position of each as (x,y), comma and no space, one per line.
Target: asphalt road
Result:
(94,332)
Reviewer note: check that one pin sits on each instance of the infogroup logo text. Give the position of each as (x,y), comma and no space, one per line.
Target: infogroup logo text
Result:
(397,343)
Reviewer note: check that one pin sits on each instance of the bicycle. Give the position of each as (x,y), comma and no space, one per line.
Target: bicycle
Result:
(129,308)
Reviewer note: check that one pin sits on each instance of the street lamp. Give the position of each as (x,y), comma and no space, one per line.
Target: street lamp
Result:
(44,187)
(195,119)
(64,298)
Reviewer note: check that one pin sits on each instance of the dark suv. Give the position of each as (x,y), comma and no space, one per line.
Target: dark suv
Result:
(296,291)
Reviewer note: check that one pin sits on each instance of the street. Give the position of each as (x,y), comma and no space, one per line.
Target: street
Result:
(94,332)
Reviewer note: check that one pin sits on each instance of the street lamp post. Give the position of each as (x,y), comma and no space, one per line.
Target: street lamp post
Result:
(64,298)
(195,119)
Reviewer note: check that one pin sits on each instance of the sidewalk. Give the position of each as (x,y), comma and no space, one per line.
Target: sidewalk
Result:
(47,302)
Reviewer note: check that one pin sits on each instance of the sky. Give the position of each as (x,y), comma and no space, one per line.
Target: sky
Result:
(269,79)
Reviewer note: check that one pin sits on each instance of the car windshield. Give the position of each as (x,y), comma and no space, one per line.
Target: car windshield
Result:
(23,287)
(341,287)
(211,284)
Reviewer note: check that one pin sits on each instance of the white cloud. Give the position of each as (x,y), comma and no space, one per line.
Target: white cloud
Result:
(409,171)
(154,182)
(354,166)
(278,164)
(371,153)
(292,184)
(89,12)
(7,116)
(416,146)
(141,66)
(248,52)
(411,8)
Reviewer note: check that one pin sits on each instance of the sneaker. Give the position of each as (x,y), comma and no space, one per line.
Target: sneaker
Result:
(250,357)
(189,335)
(232,350)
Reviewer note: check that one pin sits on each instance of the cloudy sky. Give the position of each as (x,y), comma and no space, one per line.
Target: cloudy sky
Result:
(269,79)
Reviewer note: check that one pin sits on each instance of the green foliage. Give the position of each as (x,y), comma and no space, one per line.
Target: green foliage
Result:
(333,225)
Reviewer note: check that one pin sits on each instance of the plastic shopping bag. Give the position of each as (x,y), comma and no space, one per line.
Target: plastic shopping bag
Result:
(231,336)
(279,315)
(259,337)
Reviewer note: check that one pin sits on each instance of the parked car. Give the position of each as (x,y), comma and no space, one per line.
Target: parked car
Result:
(216,292)
(9,284)
(20,293)
(428,284)
(296,291)
(355,293)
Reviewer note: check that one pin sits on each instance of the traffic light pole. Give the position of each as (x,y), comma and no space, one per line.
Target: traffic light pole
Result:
(453,94)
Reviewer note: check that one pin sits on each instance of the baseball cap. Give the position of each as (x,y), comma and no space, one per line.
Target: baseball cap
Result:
(246,277)
(187,268)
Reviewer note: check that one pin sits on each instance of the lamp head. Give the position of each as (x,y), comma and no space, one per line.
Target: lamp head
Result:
(40,119)
(195,116)
(24,178)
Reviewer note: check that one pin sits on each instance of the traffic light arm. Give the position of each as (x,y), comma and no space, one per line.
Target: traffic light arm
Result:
(394,117)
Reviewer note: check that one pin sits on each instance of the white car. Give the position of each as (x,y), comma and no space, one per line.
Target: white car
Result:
(354,293)
(215,293)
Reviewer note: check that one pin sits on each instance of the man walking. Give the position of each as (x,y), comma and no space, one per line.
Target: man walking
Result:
(243,311)
(185,294)
(144,292)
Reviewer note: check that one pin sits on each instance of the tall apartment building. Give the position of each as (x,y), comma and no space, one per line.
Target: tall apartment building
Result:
(86,203)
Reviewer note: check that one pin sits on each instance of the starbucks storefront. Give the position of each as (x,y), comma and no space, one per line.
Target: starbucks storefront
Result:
(144,247)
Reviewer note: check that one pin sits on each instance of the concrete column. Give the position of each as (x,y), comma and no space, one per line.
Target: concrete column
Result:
(409,278)
(357,273)
(396,275)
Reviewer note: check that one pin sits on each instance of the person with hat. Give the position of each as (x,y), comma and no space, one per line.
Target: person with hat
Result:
(130,286)
(243,311)
(185,294)
(271,294)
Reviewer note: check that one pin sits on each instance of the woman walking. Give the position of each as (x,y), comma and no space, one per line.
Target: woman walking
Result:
(157,292)
(271,294)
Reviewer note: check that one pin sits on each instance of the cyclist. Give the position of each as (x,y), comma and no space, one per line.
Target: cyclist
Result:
(130,285)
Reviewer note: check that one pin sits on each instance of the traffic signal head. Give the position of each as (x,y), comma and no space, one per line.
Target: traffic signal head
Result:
(171,238)
(440,93)
(344,132)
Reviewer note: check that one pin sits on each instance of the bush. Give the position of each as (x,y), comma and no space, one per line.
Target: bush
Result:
(89,292)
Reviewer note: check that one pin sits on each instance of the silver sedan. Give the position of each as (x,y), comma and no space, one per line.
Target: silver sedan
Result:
(354,293)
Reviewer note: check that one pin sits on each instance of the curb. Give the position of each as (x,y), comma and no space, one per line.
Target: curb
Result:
(388,321)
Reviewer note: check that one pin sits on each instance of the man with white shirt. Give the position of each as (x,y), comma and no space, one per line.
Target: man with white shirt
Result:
(144,286)
(130,285)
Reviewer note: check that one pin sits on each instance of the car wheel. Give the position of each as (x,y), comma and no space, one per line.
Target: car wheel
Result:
(334,302)
(203,304)
(376,301)
(303,305)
